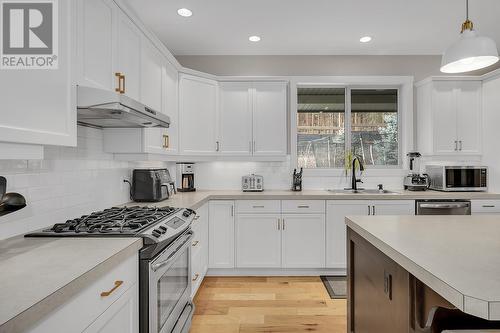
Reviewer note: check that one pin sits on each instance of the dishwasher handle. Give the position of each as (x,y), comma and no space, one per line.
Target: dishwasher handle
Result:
(444,205)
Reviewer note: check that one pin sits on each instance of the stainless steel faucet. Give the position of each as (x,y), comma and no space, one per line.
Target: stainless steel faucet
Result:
(354,180)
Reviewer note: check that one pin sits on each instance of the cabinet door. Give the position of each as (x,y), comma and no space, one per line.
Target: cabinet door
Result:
(270,118)
(221,234)
(393,207)
(38,106)
(199,248)
(336,211)
(171,106)
(469,117)
(197,115)
(379,291)
(445,117)
(128,57)
(258,240)
(303,241)
(122,316)
(96,31)
(235,118)
(152,64)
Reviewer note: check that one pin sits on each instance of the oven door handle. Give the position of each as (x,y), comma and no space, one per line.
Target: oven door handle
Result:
(157,266)
(446,205)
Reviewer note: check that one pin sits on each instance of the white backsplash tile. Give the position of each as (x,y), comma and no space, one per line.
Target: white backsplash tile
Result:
(71,182)
(68,183)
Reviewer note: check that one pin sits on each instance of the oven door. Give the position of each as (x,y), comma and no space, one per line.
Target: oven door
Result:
(465,179)
(170,284)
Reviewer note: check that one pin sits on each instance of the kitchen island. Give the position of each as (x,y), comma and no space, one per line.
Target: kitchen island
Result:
(408,272)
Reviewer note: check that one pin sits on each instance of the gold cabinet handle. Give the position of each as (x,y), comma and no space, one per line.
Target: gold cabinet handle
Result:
(195,243)
(107,293)
(121,83)
(166,141)
(118,75)
(196,276)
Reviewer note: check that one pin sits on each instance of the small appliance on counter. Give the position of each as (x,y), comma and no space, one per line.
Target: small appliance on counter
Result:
(252,183)
(415,181)
(9,202)
(185,177)
(151,185)
(297,180)
(458,178)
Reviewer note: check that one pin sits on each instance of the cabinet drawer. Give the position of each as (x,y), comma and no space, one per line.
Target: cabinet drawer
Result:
(485,206)
(83,309)
(199,263)
(303,206)
(258,206)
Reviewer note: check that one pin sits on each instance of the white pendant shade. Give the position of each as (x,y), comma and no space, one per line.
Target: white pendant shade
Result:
(469,53)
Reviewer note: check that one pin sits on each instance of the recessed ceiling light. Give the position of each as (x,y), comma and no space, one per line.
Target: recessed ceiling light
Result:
(365,39)
(254,38)
(184,12)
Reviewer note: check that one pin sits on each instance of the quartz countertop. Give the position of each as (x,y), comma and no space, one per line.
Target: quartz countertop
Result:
(456,256)
(39,274)
(198,198)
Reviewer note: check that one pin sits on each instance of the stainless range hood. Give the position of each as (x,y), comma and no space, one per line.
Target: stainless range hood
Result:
(107,109)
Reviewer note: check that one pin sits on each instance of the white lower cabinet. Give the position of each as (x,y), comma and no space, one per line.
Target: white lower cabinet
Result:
(337,210)
(221,234)
(393,207)
(199,248)
(122,316)
(336,229)
(258,240)
(89,311)
(485,207)
(303,241)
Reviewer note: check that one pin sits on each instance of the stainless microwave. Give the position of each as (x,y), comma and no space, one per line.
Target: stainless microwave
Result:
(457,178)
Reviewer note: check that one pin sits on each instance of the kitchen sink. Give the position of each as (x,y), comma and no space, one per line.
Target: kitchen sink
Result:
(362,191)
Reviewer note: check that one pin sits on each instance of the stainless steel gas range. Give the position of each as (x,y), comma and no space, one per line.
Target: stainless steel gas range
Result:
(164,268)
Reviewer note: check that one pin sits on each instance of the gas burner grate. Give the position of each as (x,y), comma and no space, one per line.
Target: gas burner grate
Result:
(123,220)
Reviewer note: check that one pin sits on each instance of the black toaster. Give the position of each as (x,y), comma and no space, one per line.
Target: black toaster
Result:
(151,185)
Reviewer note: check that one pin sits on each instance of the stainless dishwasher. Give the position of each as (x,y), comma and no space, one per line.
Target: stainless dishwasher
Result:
(443,207)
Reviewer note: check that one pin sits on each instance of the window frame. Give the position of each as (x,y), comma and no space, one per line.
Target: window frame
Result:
(404,87)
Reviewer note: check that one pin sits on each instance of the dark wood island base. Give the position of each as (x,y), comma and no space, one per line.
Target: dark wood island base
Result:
(384,298)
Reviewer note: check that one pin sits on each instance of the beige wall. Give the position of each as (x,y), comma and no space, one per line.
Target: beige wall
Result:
(418,66)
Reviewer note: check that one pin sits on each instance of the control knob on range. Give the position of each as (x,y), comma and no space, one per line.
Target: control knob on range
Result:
(187,213)
(156,233)
(163,229)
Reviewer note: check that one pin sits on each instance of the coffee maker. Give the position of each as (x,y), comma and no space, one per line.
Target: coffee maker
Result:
(415,181)
(185,177)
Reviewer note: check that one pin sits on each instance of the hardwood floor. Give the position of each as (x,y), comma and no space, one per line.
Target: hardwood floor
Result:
(267,304)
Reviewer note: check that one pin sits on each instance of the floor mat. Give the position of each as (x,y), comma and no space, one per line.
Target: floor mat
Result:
(336,286)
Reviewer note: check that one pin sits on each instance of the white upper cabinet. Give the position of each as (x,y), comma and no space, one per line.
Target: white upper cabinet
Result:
(469,107)
(197,115)
(128,55)
(152,65)
(252,119)
(269,118)
(235,118)
(38,105)
(449,117)
(96,46)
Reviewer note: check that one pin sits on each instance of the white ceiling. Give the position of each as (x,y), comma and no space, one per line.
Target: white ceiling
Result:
(314,27)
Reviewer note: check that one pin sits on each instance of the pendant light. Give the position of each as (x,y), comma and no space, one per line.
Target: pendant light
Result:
(470,52)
